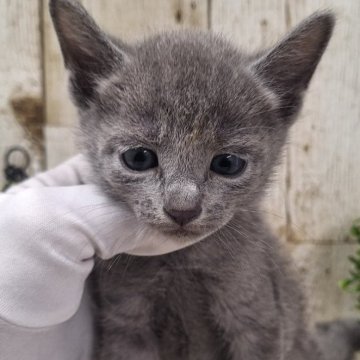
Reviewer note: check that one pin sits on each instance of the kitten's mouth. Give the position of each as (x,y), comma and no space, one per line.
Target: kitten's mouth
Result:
(181,232)
(159,241)
(187,234)
(178,232)
(164,238)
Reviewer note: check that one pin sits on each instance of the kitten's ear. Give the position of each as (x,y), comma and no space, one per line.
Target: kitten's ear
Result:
(288,67)
(88,52)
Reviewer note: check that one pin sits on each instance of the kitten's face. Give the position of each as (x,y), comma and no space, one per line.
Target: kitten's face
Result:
(207,128)
(183,127)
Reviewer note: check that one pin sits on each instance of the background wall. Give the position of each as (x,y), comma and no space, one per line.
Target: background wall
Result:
(318,192)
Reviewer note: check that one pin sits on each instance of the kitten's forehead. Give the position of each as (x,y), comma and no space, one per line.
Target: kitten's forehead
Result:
(193,87)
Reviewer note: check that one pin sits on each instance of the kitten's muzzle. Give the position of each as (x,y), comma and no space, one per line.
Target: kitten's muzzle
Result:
(183,217)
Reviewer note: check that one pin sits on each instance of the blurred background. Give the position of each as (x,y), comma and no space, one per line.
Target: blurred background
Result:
(317,194)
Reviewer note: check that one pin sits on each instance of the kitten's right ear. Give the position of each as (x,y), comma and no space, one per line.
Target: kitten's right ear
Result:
(88,52)
(288,67)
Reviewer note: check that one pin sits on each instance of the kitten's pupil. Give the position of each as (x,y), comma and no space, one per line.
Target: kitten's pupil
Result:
(228,164)
(140,159)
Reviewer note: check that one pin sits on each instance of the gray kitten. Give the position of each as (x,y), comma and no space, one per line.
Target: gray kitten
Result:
(186,130)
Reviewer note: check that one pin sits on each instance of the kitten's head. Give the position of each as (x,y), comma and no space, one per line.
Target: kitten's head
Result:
(184,127)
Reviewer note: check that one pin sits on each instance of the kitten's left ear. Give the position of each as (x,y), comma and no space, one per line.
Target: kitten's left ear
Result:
(88,52)
(289,66)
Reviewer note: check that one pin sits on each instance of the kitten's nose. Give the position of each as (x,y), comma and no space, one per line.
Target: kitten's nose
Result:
(183,217)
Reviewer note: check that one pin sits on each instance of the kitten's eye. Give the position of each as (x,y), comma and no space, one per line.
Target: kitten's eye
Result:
(140,159)
(227,164)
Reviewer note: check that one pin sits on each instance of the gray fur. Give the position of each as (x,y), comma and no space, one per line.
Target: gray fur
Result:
(189,96)
(344,334)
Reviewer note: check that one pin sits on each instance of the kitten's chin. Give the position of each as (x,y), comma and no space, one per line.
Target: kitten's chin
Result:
(155,242)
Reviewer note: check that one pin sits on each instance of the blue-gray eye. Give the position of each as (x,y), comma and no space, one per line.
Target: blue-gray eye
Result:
(140,159)
(227,164)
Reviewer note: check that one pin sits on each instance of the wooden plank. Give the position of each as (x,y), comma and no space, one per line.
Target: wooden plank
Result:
(21,99)
(133,20)
(254,25)
(60,144)
(324,161)
(251,24)
(127,19)
(321,267)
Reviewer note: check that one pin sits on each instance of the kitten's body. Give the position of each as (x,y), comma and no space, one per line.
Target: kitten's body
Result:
(183,101)
(229,297)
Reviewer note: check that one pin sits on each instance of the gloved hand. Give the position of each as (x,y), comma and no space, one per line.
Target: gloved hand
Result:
(51,227)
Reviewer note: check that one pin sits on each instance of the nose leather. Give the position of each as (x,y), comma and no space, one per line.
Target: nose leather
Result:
(183,217)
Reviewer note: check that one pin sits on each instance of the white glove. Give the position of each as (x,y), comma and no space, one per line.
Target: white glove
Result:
(49,235)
